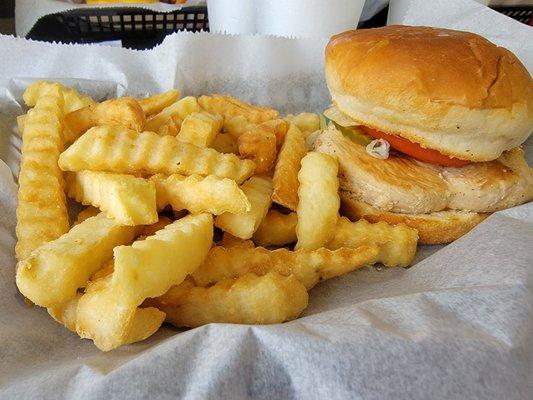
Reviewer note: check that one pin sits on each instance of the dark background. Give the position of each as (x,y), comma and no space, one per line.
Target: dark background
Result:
(7,8)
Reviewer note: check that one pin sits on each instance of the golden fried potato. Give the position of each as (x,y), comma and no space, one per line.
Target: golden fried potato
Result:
(228,240)
(150,230)
(72,100)
(148,268)
(53,273)
(258,191)
(309,266)
(238,125)
(124,112)
(21,121)
(306,122)
(225,143)
(125,198)
(41,211)
(229,107)
(120,150)
(177,111)
(279,128)
(259,146)
(200,194)
(200,129)
(250,299)
(397,242)
(287,167)
(145,321)
(319,202)
(171,127)
(155,104)
(86,214)
(276,229)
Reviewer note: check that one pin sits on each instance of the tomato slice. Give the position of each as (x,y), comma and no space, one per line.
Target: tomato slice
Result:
(415,150)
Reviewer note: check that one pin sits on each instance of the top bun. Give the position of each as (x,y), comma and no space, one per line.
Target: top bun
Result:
(447,90)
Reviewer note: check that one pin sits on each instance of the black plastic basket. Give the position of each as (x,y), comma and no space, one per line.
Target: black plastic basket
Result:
(522,14)
(136,28)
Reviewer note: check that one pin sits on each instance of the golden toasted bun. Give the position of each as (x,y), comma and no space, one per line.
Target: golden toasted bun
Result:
(451,91)
(435,228)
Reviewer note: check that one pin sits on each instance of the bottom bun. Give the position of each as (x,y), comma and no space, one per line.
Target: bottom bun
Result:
(435,228)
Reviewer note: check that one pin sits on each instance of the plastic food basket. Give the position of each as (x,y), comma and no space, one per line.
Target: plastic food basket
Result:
(136,28)
(141,29)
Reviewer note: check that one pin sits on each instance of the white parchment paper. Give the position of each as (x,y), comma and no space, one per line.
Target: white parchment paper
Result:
(456,325)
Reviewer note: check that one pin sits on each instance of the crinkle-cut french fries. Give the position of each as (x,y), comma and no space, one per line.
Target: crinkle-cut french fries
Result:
(125,198)
(318,200)
(279,127)
(53,273)
(397,243)
(171,127)
(120,150)
(259,145)
(72,100)
(86,214)
(309,266)
(148,268)
(306,122)
(229,107)
(150,230)
(21,121)
(276,229)
(41,211)
(287,167)
(177,112)
(250,299)
(124,112)
(225,143)
(199,194)
(237,125)
(200,128)
(145,322)
(228,240)
(258,190)
(155,104)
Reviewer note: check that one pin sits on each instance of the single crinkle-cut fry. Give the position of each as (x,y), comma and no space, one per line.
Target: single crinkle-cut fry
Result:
(154,104)
(125,198)
(53,273)
(287,167)
(318,200)
(258,190)
(306,122)
(250,299)
(229,107)
(397,243)
(21,120)
(276,229)
(146,321)
(225,143)
(120,150)
(259,145)
(86,214)
(41,211)
(148,268)
(200,129)
(177,111)
(125,112)
(72,100)
(228,240)
(199,194)
(309,266)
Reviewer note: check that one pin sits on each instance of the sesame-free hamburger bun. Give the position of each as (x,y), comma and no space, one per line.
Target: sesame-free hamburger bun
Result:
(450,91)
